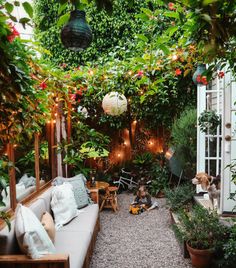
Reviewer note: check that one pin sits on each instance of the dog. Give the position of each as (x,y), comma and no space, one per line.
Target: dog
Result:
(209,184)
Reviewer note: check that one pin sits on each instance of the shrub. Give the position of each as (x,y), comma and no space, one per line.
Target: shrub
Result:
(179,197)
(184,140)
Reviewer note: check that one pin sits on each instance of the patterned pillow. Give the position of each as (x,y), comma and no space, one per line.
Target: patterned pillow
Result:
(33,240)
(80,190)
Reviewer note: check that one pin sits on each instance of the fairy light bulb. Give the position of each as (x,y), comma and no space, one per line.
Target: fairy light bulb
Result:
(129,72)
(174,57)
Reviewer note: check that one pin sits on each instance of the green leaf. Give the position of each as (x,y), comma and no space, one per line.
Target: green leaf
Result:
(9,7)
(63,19)
(24,21)
(142,37)
(170,31)
(206,17)
(28,9)
(165,49)
(208,2)
(171,14)
(62,8)
(17,3)
(147,11)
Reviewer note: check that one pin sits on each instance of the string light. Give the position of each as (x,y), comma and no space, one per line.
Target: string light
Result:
(129,72)
(118,155)
(55,114)
(54,121)
(91,72)
(174,57)
(135,121)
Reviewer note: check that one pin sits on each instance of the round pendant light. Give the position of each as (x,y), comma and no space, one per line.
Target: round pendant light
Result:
(114,103)
(76,35)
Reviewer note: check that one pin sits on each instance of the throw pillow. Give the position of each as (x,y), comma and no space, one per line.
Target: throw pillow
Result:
(63,204)
(28,181)
(48,224)
(80,190)
(33,240)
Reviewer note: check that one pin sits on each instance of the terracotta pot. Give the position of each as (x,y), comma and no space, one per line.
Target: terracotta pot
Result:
(201,258)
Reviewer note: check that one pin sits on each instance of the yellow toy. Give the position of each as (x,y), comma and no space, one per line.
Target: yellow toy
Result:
(136,209)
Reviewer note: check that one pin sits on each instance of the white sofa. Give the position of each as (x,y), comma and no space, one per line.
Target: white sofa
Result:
(74,242)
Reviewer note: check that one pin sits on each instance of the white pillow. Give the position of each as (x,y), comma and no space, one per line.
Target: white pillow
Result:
(20,188)
(32,238)
(63,204)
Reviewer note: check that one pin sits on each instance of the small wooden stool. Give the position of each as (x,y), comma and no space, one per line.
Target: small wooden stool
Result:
(109,200)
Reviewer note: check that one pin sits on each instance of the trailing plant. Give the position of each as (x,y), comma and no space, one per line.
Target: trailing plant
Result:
(209,121)
(180,197)
(184,140)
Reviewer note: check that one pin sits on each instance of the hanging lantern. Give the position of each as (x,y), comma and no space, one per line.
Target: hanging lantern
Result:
(76,34)
(201,68)
(114,103)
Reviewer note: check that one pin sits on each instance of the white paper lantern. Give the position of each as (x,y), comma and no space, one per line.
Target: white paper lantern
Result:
(114,103)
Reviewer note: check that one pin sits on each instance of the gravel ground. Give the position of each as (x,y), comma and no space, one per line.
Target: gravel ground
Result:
(136,241)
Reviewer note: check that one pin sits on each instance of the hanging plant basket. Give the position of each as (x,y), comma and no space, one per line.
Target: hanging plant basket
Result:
(208,122)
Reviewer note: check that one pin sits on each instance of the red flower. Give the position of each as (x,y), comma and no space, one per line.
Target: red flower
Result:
(63,65)
(221,74)
(67,76)
(199,78)
(14,33)
(79,92)
(171,6)
(140,73)
(43,85)
(178,72)
(72,96)
(204,80)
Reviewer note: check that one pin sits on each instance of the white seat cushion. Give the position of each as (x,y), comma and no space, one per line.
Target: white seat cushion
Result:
(73,243)
(85,221)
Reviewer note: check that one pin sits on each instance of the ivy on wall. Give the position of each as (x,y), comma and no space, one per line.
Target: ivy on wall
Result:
(111,34)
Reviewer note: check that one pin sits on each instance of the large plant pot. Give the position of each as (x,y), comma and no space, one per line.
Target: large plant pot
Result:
(201,258)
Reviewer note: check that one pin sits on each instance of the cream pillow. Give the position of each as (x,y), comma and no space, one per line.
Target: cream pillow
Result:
(33,240)
(48,224)
(63,204)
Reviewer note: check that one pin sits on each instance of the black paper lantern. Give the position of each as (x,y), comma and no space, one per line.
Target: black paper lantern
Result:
(76,34)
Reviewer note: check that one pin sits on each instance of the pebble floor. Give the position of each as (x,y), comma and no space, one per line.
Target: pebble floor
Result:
(137,241)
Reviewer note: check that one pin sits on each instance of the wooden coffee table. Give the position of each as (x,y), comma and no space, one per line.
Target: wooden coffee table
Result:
(94,190)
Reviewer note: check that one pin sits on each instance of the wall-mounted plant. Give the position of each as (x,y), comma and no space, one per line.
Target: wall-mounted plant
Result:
(209,121)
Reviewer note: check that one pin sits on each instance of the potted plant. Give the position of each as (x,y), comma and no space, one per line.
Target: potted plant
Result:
(208,122)
(201,230)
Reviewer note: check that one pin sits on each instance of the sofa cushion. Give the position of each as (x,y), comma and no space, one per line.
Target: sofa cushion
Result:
(48,224)
(33,240)
(85,221)
(63,204)
(74,243)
